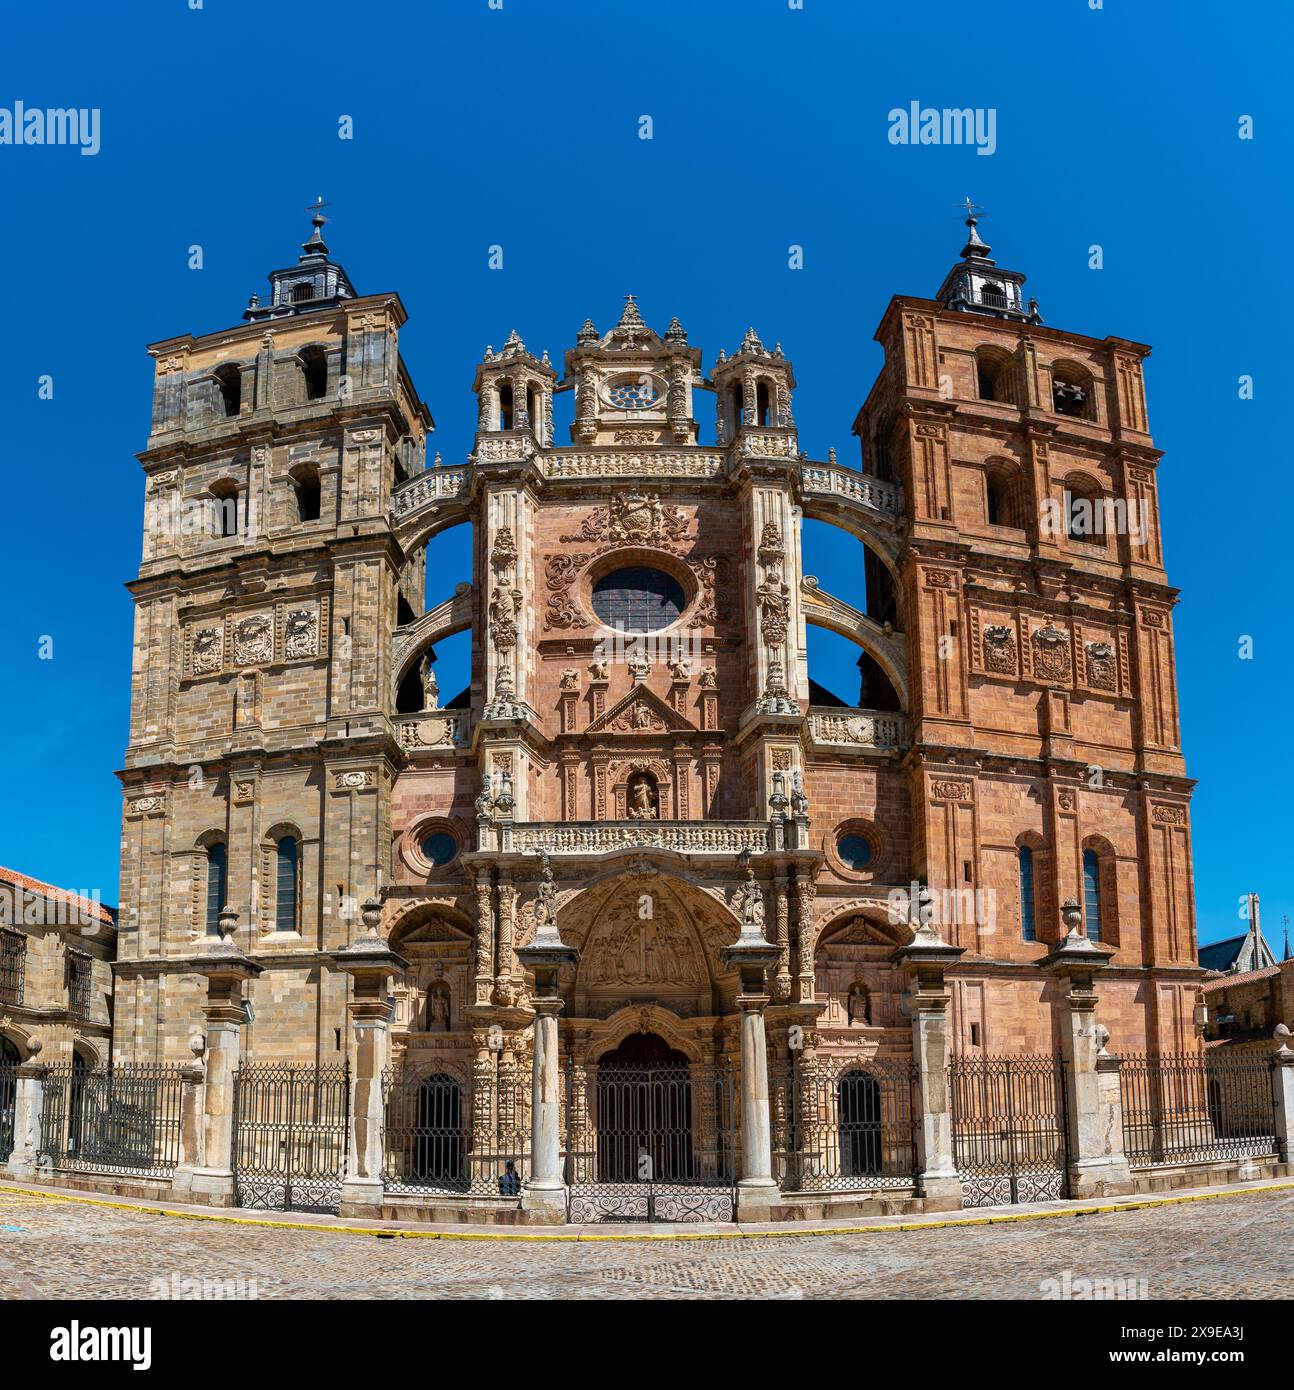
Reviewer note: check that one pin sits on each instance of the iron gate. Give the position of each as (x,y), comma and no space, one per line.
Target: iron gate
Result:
(1010,1129)
(291,1128)
(651,1143)
(8,1100)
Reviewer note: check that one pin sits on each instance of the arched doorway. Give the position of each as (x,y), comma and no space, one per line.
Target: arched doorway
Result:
(644,1112)
(860,1124)
(438,1145)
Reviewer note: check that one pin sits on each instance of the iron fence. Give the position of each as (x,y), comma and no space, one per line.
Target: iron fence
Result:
(291,1132)
(1010,1128)
(8,1102)
(1192,1107)
(445,1131)
(651,1143)
(122,1119)
(844,1124)
(13,965)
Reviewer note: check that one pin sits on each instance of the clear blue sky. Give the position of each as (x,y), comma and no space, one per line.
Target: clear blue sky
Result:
(520,127)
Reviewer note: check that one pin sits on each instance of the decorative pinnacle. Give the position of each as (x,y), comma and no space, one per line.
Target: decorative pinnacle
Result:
(316,242)
(975,248)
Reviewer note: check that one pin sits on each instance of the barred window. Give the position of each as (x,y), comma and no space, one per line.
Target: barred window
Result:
(78,983)
(13,966)
(217,876)
(638,599)
(1092,894)
(1028,929)
(285,900)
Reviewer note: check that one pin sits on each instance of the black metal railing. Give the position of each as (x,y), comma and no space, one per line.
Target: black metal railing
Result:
(844,1124)
(124,1119)
(651,1142)
(1193,1107)
(1010,1128)
(445,1131)
(13,965)
(291,1134)
(8,1102)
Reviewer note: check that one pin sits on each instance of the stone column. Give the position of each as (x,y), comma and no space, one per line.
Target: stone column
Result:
(226,969)
(1283,1093)
(924,960)
(1098,1166)
(543,1195)
(370,963)
(192,1086)
(29,1107)
(753,955)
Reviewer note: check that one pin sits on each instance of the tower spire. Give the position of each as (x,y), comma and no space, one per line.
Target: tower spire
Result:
(976,248)
(977,284)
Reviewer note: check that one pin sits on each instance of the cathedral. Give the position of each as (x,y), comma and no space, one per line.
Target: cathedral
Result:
(642,760)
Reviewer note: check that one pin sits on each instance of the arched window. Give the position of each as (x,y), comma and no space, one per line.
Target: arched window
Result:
(994,376)
(505,406)
(287,858)
(314,372)
(859,1099)
(763,405)
(229,390)
(1092,894)
(736,409)
(224,507)
(438,1136)
(1002,501)
(217,884)
(1085,513)
(1071,391)
(532,409)
(306,486)
(1028,926)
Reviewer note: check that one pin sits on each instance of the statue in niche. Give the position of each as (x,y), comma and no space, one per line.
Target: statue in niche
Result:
(856,1004)
(643,798)
(438,1007)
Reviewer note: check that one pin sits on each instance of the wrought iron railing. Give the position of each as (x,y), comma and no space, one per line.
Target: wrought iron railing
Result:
(1010,1128)
(446,1131)
(1195,1107)
(124,1119)
(844,1124)
(291,1133)
(652,1142)
(8,1102)
(13,965)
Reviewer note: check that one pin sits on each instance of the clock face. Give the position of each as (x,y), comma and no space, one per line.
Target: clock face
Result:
(634,391)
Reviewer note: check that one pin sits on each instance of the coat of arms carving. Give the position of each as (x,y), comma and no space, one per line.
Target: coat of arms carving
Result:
(254,640)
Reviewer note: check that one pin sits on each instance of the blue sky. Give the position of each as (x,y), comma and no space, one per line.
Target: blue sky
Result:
(519,127)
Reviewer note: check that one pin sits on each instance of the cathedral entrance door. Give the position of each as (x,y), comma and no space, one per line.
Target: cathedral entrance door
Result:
(652,1136)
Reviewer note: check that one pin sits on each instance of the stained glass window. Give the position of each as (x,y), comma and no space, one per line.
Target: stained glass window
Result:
(638,599)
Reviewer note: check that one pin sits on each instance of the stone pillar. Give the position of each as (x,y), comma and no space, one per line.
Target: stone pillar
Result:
(29,1107)
(192,1086)
(543,1195)
(924,960)
(1283,1093)
(370,963)
(753,955)
(226,969)
(1098,1166)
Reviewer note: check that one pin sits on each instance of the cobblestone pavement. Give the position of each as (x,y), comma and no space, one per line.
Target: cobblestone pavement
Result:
(1236,1247)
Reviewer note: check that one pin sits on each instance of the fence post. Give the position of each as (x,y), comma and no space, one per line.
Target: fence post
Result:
(1097,1164)
(543,1195)
(192,1085)
(924,960)
(370,962)
(1283,1093)
(28,1109)
(226,969)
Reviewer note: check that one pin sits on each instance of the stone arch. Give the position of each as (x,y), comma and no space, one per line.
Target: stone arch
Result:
(90,1050)
(835,510)
(25,1040)
(646,1018)
(434,992)
(452,615)
(853,961)
(888,650)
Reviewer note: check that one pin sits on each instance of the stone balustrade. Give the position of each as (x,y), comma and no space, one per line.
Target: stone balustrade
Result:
(605,837)
(870,729)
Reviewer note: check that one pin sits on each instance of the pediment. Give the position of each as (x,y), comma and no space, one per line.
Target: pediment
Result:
(641,711)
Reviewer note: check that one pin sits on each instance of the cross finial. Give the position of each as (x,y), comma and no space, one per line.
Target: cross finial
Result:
(317,208)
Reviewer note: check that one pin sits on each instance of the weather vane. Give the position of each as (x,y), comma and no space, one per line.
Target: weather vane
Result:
(317,208)
(972,212)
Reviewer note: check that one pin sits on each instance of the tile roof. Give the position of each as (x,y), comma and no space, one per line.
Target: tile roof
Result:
(100,913)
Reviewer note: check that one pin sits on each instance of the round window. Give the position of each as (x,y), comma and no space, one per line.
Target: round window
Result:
(439,848)
(634,392)
(638,599)
(855,850)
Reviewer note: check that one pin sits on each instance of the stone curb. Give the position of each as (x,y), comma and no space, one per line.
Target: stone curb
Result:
(781,1230)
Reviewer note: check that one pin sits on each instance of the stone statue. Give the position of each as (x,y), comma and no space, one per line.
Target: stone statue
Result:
(430,686)
(799,801)
(643,801)
(598,669)
(681,669)
(752,906)
(545,901)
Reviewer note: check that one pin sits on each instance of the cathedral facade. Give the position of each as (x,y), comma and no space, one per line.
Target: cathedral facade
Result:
(641,717)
